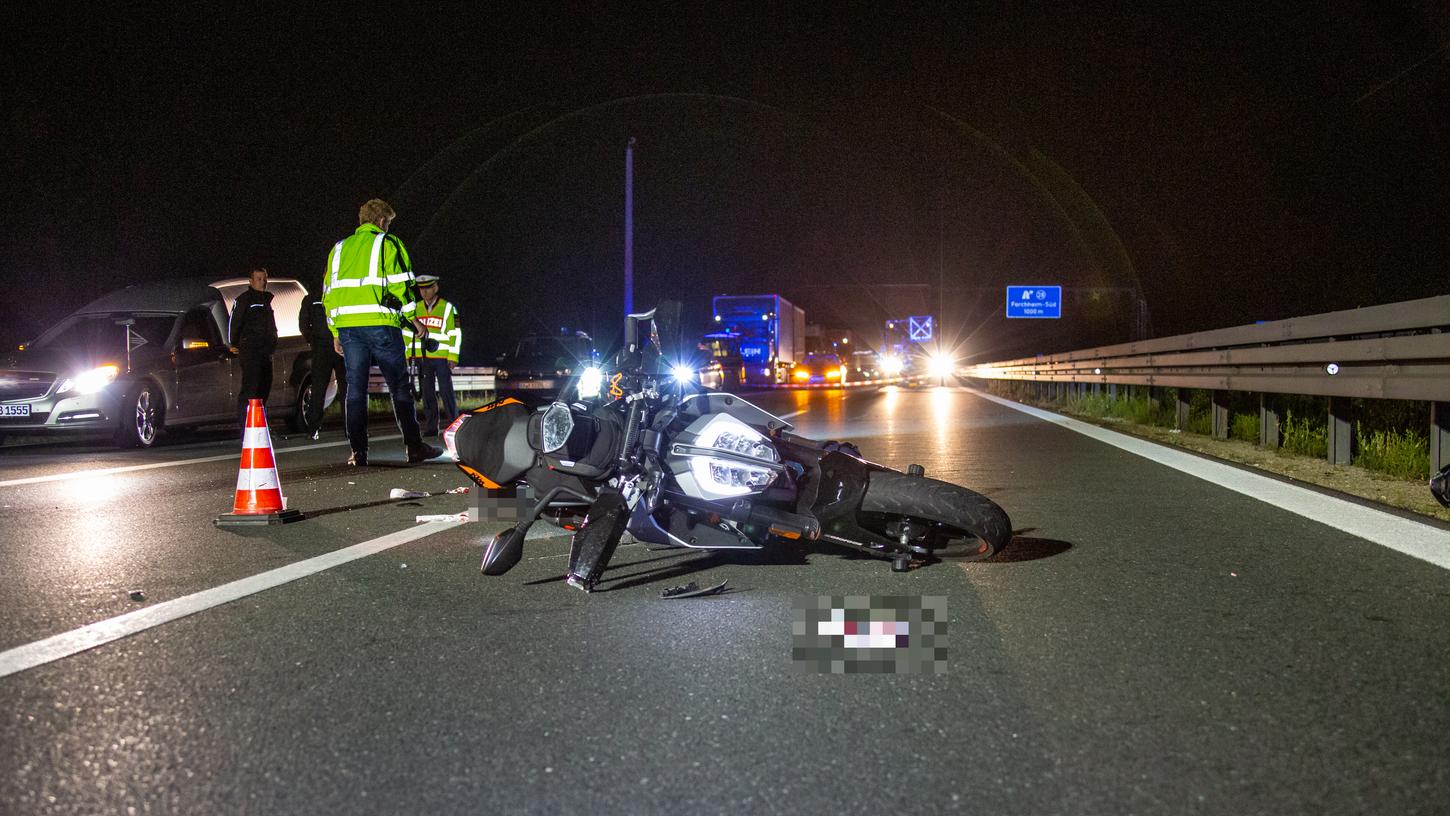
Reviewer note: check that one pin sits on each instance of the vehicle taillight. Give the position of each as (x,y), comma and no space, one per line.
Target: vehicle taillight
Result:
(450,432)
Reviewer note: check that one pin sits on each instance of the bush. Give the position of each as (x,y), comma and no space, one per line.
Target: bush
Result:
(1245,427)
(1302,436)
(1402,455)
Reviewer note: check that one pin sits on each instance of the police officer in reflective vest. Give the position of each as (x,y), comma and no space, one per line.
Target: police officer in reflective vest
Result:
(312,321)
(369,294)
(436,360)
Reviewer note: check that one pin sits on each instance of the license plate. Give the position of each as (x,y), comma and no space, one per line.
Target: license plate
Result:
(14,410)
(532,384)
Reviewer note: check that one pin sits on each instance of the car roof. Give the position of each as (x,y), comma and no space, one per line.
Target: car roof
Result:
(176,295)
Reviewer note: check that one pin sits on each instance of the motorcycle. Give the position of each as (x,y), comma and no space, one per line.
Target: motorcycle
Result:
(645,451)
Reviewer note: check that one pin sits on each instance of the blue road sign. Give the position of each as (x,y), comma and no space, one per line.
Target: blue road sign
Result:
(1034,301)
(919,328)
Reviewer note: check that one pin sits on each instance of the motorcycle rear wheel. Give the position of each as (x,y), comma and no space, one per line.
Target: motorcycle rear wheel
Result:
(960,523)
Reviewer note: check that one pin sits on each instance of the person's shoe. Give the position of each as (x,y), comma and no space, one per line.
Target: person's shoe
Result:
(422,452)
(317,434)
(358,459)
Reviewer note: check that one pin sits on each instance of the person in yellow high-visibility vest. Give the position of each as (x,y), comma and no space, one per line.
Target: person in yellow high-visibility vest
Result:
(435,361)
(369,293)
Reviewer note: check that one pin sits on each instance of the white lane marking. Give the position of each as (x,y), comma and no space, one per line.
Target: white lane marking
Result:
(96,634)
(87,474)
(1402,535)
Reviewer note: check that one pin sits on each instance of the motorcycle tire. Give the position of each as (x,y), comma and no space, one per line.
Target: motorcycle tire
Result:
(956,511)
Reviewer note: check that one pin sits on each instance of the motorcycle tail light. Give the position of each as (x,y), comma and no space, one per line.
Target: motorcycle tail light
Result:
(450,432)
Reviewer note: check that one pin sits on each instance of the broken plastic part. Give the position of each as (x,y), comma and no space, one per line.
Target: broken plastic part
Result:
(692,590)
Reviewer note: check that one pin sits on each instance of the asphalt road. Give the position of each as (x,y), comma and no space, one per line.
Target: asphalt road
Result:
(1150,643)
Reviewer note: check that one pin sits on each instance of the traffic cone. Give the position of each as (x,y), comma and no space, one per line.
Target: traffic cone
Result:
(259,491)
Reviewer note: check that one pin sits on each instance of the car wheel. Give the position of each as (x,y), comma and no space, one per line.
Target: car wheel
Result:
(297,420)
(141,418)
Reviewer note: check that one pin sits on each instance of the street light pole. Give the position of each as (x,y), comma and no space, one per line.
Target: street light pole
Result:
(629,227)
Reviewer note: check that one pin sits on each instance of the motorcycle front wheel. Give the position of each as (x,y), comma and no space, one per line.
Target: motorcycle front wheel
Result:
(948,520)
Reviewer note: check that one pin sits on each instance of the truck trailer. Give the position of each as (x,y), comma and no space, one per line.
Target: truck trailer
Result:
(771,334)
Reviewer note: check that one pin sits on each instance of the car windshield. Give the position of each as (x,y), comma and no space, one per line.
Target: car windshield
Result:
(572,348)
(105,334)
(822,360)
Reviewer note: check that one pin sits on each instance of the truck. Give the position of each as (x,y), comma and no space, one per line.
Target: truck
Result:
(147,358)
(771,334)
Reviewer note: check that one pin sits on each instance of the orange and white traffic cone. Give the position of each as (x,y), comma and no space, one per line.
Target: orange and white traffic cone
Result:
(259,491)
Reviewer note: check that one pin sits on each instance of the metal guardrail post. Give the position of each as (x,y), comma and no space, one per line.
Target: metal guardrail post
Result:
(1184,409)
(1340,430)
(1220,414)
(1439,435)
(1268,422)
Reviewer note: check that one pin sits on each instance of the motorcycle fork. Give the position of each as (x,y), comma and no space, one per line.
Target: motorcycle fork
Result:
(595,541)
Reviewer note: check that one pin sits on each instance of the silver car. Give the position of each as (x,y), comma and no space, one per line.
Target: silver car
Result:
(148,357)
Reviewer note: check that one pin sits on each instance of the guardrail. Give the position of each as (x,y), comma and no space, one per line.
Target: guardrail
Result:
(465,378)
(1394,351)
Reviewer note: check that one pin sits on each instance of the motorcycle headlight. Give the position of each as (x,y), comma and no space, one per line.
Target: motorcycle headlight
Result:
(682,373)
(89,382)
(591,380)
(557,425)
(734,476)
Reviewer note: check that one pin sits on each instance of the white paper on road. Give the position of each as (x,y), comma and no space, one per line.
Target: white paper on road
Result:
(1422,541)
(87,637)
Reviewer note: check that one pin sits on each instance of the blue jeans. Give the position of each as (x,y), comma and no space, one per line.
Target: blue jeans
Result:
(437,382)
(363,347)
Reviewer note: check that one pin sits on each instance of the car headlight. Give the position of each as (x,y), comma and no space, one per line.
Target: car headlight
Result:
(591,380)
(89,382)
(891,366)
(802,374)
(940,365)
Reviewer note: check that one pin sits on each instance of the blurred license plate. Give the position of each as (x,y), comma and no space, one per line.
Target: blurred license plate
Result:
(14,410)
(534,384)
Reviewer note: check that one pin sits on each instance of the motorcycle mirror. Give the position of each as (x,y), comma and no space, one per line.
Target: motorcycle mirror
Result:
(667,326)
(503,552)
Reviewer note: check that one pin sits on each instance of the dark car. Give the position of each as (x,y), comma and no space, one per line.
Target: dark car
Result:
(541,366)
(819,368)
(143,359)
(865,367)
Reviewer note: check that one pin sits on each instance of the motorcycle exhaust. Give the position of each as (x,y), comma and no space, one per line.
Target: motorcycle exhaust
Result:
(791,526)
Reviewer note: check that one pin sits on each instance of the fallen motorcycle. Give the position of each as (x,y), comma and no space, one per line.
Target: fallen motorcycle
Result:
(645,451)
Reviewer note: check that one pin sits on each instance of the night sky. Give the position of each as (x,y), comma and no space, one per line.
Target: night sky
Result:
(1230,163)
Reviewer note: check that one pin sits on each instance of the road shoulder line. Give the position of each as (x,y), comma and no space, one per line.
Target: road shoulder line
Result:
(1397,533)
(96,634)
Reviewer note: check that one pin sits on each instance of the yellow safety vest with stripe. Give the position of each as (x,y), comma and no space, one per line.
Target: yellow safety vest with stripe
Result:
(442,323)
(362,270)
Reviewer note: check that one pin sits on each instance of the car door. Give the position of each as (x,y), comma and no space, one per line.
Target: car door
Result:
(203,370)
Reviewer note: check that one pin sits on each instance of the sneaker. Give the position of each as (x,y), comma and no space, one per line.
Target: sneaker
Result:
(422,452)
(358,459)
(317,434)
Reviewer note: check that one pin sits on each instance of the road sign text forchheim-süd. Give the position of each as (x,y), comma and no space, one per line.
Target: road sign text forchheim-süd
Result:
(1034,301)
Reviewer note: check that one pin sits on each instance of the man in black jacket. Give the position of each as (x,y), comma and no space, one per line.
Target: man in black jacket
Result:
(253,338)
(312,321)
